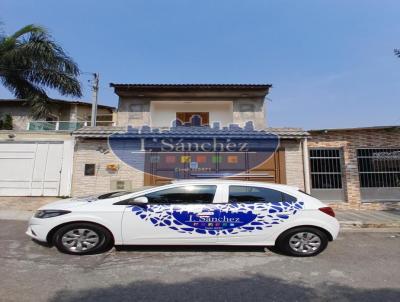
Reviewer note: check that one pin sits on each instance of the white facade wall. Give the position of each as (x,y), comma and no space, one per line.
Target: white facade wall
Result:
(162,114)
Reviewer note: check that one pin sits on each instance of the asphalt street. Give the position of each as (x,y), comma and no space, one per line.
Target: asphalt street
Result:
(360,266)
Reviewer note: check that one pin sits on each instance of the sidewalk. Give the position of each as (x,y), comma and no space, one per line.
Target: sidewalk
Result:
(22,208)
(368,219)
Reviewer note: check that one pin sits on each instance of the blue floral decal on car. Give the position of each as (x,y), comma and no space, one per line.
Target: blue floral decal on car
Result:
(216,219)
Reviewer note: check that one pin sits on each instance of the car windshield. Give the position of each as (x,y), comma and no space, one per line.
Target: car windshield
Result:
(122,193)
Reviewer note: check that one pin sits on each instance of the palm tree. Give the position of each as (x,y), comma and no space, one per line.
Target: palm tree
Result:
(30,62)
(397,52)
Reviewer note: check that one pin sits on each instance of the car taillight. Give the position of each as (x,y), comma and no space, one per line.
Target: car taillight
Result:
(327,210)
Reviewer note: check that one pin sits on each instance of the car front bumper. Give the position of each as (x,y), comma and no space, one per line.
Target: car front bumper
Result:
(38,229)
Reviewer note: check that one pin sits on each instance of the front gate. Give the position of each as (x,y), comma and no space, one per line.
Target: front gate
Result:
(193,165)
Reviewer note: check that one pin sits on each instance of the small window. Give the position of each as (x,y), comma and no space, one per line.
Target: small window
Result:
(246,194)
(90,169)
(136,111)
(193,118)
(186,194)
(325,169)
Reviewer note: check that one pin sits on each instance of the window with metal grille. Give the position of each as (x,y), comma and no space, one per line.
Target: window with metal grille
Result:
(325,168)
(379,167)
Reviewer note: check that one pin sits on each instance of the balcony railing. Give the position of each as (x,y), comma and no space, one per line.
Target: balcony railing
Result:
(63,125)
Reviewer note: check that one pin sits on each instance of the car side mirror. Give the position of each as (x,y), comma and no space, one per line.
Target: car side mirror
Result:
(140,200)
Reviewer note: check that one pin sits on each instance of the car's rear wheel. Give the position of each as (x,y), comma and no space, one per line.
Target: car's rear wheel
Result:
(302,242)
(82,239)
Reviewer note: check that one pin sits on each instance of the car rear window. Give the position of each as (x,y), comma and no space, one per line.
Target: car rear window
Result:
(248,194)
(113,194)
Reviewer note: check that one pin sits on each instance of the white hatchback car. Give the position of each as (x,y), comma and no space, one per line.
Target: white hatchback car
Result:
(200,212)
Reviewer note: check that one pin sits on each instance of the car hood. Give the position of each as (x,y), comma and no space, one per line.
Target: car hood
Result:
(69,203)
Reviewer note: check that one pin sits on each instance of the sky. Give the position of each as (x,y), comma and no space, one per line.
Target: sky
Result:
(330,62)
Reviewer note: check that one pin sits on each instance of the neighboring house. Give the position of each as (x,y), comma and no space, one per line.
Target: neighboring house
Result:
(357,168)
(65,115)
(36,157)
(206,111)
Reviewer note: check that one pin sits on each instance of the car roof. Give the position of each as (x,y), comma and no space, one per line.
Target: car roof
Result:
(235,182)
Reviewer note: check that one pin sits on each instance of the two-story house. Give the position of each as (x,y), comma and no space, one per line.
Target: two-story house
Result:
(199,113)
(166,132)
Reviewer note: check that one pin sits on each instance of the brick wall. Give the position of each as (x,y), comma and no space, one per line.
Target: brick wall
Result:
(294,163)
(349,141)
(95,151)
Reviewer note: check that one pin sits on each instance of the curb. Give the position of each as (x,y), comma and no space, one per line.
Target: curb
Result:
(368,224)
(370,230)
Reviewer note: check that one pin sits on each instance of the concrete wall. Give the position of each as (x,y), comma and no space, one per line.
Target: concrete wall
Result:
(134,112)
(249,110)
(163,113)
(19,114)
(349,141)
(84,112)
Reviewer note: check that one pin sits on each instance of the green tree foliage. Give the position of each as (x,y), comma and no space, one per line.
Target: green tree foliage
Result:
(8,122)
(30,62)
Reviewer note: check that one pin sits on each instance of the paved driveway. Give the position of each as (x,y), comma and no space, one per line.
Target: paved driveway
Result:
(362,266)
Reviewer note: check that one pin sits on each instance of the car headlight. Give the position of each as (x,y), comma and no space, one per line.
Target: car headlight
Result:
(50,213)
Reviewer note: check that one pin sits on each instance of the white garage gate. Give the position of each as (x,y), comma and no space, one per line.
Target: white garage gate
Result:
(31,168)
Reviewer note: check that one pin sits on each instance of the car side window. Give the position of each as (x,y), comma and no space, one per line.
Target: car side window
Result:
(247,194)
(287,197)
(195,194)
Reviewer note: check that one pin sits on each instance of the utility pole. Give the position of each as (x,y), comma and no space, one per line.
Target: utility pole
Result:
(95,90)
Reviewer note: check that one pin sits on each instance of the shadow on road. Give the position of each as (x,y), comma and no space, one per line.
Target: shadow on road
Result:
(182,248)
(253,288)
(199,248)
(187,248)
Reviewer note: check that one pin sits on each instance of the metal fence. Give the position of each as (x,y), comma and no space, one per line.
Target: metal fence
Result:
(379,168)
(326,168)
(63,125)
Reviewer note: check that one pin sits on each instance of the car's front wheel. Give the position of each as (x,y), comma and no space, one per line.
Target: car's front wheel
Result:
(302,242)
(82,238)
